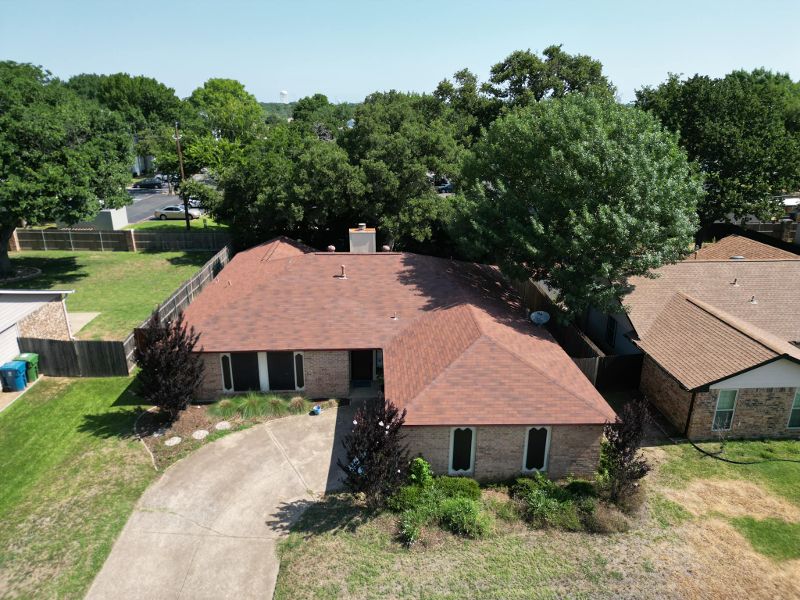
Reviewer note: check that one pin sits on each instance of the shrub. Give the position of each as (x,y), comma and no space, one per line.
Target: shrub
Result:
(463,516)
(420,472)
(407,497)
(581,487)
(297,405)
(458,487)
(377,458)
(411,522)
(225,408)
(277,406)
(171,372)
(544,503)
(252,405)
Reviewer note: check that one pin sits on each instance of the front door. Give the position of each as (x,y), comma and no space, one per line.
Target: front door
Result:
(361,364)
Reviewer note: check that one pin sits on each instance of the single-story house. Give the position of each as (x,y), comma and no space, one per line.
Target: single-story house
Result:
(720,333)
(31,313)
(487,393)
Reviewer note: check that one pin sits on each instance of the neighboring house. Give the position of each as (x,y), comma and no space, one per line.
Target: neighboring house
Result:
(720,334)
(31,313)
(488,394)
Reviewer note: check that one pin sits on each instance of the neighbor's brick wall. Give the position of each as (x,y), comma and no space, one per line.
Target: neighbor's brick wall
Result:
(211,387)
(665,393)
(50,321)
(760,412)
(574,450)
(327,373)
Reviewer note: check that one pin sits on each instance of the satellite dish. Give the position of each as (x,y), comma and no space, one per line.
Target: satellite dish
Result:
(540,317)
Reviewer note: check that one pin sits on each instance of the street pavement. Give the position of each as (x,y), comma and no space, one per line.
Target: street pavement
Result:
(145,202)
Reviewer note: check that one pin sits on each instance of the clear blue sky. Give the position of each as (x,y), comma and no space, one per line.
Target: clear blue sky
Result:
(347,49)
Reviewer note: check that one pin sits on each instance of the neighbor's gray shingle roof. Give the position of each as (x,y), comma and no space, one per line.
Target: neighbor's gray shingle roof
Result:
(699,344)
(737,245)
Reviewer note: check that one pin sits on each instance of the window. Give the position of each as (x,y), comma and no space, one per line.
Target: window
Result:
(299,374)
(227,382)
(723,416)
(281,367)
(611,331)
(794,414)
(244,366)
(462,450)
(537,444)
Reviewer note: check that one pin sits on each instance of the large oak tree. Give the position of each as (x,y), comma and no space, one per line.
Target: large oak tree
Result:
(581,193)
(61,156)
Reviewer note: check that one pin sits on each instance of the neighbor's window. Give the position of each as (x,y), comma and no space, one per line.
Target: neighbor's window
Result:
(462,450)
(536,446)
(794,415)
(723,416)
(611,330)
(227,383)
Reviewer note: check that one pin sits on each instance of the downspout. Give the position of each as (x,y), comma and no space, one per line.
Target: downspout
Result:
(689,416)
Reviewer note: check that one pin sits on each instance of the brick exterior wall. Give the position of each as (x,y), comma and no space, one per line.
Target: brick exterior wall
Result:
(574,450)
(211,388)
(759,413)
(665,393)
(50,321)
(327,373)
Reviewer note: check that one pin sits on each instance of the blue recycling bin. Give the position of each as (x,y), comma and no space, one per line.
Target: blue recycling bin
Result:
(13,376)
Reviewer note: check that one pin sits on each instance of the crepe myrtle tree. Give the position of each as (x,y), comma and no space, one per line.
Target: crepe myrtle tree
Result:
(581,193)
(377,458)
(621,462)
(171,372)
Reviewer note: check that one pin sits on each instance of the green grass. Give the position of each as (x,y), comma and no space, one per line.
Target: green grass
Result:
(253,404)
(71,474)
(774,538)
(202,224)
(666,512)
(780,478)
(124,287)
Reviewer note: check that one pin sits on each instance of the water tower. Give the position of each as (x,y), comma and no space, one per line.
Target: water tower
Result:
(284,97)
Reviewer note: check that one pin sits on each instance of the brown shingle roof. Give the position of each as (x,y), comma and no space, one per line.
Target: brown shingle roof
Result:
(699,344)
(737,245)
(459,351)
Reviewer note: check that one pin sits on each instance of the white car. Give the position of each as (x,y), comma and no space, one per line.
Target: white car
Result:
(176,212)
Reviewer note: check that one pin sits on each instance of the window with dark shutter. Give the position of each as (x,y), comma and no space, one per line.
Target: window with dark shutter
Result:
(536,449)
(298,371)
(227,384)
(461,450)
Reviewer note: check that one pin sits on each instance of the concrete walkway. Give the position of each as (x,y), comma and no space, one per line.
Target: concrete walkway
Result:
(209,526)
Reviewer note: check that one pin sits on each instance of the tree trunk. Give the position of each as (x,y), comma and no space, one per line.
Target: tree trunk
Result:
(6,231)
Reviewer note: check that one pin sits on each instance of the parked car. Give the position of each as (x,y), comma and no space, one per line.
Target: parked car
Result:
(445,188)
(149,184)
(176,212)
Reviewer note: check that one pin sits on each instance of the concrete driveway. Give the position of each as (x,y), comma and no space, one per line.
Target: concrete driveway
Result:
(209,526)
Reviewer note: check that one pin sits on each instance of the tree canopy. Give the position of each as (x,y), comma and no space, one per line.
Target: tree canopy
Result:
(742,129)
(227,110)
(579,192)
(61,156)
(525,77)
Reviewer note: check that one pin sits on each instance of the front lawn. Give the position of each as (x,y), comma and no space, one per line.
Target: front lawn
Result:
(204,223)
(71,473)
(124,287)
(702,515)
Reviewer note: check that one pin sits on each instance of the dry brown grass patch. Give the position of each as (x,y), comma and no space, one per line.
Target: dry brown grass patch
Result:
(732,499)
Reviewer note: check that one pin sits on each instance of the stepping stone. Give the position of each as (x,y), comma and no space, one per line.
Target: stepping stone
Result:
(173,441)
(222,425)
(200,434)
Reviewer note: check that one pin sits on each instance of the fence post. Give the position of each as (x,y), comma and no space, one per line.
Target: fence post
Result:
(100,231)
(44,239)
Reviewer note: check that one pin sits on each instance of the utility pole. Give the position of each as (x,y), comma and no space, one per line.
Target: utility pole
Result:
(183,177)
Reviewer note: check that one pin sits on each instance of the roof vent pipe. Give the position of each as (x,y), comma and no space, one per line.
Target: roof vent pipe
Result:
(344,273)
(735,282)
(753,300)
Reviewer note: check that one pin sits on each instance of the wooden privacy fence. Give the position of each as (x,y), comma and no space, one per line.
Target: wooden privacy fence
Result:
(90,358)
(77,358)
(129,240)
